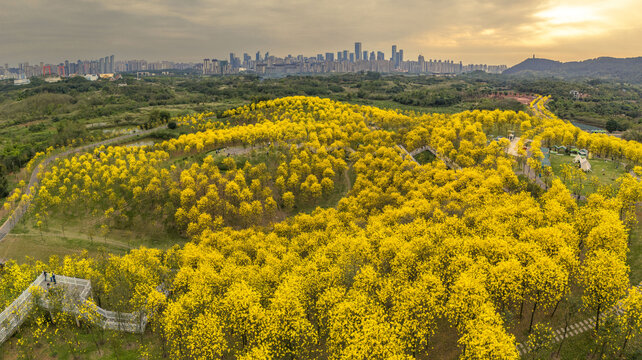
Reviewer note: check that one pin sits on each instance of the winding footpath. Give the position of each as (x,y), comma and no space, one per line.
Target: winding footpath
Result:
(23,205)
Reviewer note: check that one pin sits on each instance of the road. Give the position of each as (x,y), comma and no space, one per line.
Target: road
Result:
(23,205)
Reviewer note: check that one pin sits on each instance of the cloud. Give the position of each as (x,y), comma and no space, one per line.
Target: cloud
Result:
(475,31)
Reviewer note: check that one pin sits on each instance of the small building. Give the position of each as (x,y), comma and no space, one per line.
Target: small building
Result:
(53,79)
(585,165)
(21,81)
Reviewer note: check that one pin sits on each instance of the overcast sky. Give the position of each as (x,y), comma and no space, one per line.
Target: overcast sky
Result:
(474,31)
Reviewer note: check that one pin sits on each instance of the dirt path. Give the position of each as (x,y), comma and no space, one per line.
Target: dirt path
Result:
(512,148)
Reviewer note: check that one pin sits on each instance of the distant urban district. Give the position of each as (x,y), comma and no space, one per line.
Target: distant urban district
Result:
(344,62)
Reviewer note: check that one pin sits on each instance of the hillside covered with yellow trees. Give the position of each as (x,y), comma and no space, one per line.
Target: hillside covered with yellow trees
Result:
(332,243)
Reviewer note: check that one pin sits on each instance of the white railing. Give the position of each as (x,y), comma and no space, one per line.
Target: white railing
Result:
(76,294)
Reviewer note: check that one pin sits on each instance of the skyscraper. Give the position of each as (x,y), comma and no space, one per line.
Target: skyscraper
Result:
(357,50)
(206,66)
(394,53)
(365,55)
(258,56)
(329,56)
(381,55)
(111,64)
(345,55)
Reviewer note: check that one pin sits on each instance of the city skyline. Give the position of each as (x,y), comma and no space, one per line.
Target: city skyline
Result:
(498,31)
(346,61)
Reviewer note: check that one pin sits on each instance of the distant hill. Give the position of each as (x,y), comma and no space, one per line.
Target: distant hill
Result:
(625,69)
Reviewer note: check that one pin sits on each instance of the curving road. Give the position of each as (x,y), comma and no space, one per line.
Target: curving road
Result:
(23,205)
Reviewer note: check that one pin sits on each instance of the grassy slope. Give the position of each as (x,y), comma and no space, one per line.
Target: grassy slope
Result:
(611,172)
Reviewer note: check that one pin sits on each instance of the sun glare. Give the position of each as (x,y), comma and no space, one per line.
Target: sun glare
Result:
(562,15)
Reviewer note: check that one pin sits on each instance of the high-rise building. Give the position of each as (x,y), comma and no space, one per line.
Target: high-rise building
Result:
(111,64)
(351,57)
(206,66)
(400,56)
(357,50)
(258,56)
(339,57)
(329,56)
(345,55)
(394,53)
(372,56)
(364,55)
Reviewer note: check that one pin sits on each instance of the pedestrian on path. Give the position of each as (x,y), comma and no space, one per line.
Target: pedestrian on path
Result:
(53,278)
(45,274)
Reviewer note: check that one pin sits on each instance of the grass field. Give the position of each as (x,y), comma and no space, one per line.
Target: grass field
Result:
(109,345)
(605,172)
(634,257)
(425,157)
(27,240)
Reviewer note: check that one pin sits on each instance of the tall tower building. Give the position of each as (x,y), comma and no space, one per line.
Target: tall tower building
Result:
(206,66)
(394,53)
(365,55)
(345,55)
(357,50)
(258,56)
(111,64)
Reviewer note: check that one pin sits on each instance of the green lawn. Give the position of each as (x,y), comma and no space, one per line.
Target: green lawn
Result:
(605,172)
(79,234)
(425,157)
(71,343)
(635,251)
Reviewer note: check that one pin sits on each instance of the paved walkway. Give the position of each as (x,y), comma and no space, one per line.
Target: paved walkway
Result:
(76,292)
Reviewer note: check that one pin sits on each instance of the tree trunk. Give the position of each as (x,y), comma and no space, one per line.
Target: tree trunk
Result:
(521,310)
(597,320)
(626,339)
(556,305)
(530,326)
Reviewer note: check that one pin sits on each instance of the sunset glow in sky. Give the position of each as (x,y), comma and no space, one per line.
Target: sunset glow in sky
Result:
(474,31)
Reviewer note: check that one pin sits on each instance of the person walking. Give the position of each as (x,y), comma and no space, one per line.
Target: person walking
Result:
(45,274)
(53,278)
